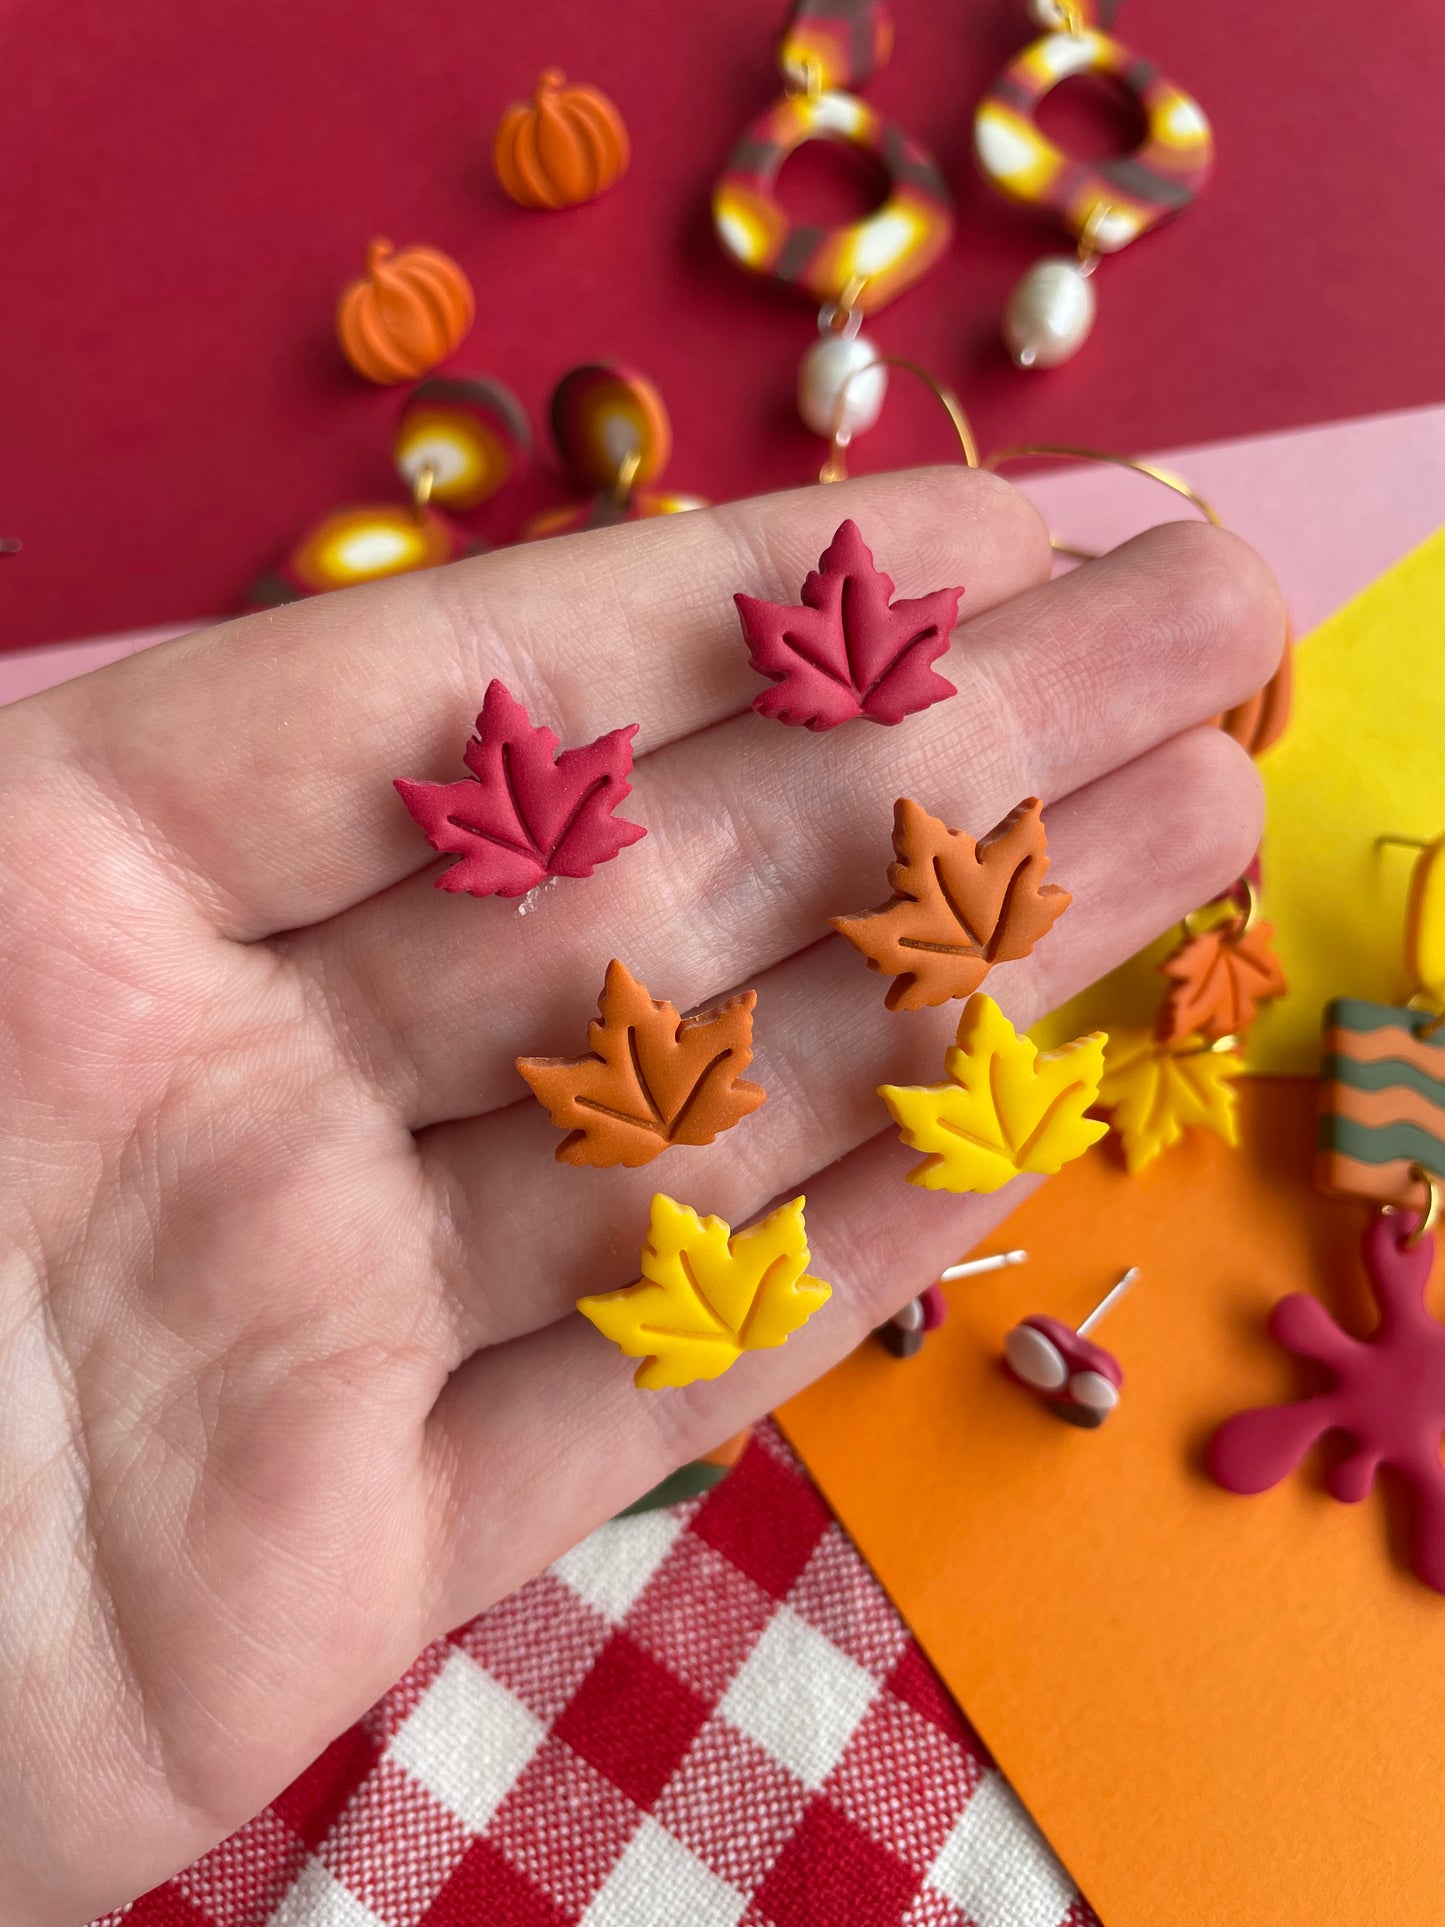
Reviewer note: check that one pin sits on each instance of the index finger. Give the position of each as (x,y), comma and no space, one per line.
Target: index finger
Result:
(259,756)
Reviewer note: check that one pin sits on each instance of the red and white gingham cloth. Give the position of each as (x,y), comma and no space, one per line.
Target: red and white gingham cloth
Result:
(704,1717)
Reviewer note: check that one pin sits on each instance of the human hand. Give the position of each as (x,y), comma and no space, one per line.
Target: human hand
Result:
(288,1380)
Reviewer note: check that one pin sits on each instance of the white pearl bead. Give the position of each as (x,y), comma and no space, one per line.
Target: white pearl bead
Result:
(824,369)
(1049,313)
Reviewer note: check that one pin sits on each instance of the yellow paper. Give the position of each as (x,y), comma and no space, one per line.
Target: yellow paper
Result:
(1364,754)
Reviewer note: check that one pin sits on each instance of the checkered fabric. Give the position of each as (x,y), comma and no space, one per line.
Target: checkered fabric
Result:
(709,1716)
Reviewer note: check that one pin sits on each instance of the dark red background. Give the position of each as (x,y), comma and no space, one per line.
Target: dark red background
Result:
(188,184)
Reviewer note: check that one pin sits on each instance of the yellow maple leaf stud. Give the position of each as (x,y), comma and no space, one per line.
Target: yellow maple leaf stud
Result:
(1156,1091)
(707,1294)
(1007,1107)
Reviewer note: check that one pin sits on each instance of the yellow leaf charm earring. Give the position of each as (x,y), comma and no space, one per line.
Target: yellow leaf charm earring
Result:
(1006,1107)
(1180,1076)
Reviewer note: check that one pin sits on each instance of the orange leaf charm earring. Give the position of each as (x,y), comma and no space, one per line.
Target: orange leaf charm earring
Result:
(1221,976)
(1181,1076)
(958,906)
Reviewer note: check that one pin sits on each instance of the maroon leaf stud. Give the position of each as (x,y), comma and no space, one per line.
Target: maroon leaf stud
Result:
(526,813)
(849,650)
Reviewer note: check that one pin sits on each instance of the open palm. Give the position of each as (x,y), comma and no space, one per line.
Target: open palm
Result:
(288,1381)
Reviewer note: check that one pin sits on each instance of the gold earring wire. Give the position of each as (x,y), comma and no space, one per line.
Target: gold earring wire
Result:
(626,476)
(1434,1197)
(1059,452)
(835,469)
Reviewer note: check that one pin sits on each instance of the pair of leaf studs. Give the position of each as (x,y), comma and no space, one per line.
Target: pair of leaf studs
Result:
(530,810)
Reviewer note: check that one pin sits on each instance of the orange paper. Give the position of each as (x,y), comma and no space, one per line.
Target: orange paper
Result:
(1223,1711)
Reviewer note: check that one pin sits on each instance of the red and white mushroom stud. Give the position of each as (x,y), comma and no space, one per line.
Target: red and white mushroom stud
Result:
(904,1332)
(1077,1380)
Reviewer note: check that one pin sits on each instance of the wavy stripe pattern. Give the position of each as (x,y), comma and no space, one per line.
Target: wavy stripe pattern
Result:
(1383,1101)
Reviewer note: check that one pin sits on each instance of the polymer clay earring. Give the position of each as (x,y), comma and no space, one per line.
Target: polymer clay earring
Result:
(1104,204)
(959,906)
(565,146)
(1381,1141)
(527,812)
(1180,1076)
(411,309)
(649,1079)
(613,437)
(1004,1107)
(829,49)
(848,651)
(904,1332)
(458,439)
(708,1294)
(1076,1379)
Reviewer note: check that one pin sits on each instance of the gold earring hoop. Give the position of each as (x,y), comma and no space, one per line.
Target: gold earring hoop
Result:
(835,468)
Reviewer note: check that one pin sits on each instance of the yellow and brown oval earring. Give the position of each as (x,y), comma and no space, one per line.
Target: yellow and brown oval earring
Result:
(1104,204)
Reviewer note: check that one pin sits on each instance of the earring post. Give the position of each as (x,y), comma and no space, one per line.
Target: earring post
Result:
(975,1267)
(1110,1297)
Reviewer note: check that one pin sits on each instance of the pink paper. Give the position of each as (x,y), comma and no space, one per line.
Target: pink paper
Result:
(1330,508)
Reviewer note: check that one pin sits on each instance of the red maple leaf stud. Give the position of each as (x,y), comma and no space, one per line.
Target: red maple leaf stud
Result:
(1388,1395)
(849,650)
(526,812)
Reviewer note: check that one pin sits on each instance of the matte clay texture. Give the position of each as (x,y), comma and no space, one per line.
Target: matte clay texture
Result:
(849,651)
(565,146)
(707,1295)
(1004,1108)
(649,1078)
(958,906)
(1254,1689)
(1388,1397)
(1382,1104)
(530,813)
(406,314)
(1156,1092)
(1218,980)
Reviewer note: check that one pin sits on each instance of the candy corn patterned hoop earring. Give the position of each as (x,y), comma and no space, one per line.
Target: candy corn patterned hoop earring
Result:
(829,48)
(1104,204)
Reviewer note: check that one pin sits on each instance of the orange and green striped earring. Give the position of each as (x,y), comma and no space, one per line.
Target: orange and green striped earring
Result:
(1382,1112)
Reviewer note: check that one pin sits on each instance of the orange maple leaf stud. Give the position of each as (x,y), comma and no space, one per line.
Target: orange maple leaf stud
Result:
(958,906)
(1220,977)
(650,1078)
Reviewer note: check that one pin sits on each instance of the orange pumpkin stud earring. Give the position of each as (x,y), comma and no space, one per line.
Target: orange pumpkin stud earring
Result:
(411,309)
(563,147)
